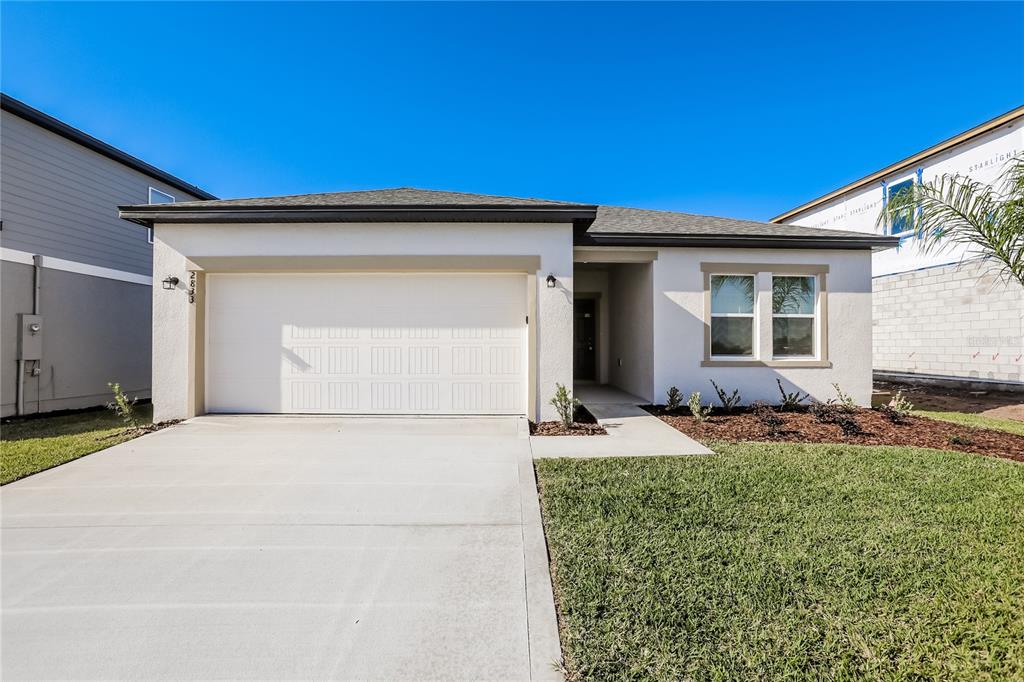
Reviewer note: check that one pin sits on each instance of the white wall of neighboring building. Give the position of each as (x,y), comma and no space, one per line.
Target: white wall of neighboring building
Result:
(957,321)
(941,313)
(176,327)
(982,159)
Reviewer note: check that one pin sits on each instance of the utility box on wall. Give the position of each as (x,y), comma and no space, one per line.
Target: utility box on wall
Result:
(30,337)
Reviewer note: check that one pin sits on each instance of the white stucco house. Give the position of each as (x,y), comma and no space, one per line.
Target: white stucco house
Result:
(408,301)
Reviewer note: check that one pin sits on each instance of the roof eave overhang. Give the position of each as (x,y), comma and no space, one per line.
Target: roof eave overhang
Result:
(579,216)
(873,242)
(58,127)
(904,164)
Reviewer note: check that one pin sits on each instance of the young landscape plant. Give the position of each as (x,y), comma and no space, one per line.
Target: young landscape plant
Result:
(673,399)
(729,402)
(767,416)
(565,404)
(699,412)
(790,401)
(843,401)
(123,406)
(900,406)
(834,412)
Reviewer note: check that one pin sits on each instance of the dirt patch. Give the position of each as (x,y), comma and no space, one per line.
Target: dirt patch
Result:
(802,427)
(999,404)
(584,425)
(133,432)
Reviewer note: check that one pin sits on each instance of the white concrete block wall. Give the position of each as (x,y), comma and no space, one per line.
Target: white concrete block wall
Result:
(957,321)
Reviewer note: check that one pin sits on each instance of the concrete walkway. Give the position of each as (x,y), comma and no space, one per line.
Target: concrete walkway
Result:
(283,548)
(632,431)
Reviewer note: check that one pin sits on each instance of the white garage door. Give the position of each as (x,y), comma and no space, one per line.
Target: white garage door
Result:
(366,343)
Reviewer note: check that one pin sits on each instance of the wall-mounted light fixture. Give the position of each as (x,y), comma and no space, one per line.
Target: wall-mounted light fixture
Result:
(551,281)
(170,282)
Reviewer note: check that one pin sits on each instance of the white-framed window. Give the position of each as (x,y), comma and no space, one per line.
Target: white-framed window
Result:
(794,316)
(901,225)
(158,197)
(733,322)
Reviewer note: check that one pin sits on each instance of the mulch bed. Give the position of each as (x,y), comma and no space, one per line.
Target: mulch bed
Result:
(802,427)
(584,425)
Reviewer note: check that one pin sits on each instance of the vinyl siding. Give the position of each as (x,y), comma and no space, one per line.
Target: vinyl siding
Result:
(60,199)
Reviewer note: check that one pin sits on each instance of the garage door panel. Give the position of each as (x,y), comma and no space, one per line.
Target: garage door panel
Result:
(403,344)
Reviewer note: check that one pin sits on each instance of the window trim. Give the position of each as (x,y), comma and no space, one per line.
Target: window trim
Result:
(771,269)
(816,326)
(754,327)
(909,182)
(153,190)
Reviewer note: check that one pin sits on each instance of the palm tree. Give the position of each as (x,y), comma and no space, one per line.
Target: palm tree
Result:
(954,209)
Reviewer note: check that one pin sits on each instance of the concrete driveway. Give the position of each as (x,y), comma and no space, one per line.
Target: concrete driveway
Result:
(283,548)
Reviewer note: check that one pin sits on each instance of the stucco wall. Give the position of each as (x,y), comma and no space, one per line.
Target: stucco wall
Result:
(679,326)
(173,317)
(95,330)
(631,312)
(958,321)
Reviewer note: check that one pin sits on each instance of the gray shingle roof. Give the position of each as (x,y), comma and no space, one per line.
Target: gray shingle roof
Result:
(594,224)
(393,197)
(620,220)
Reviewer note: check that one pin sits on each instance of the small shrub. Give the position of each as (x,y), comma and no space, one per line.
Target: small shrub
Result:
(900,406)
(674,399)
(123,406)
(824,413)
(849,425)
(897,409)
(836,413)
(729,402)
(957,439)
(767,416)
(565,404)
(843,401)
(699,412)
(790,401)
(889,413)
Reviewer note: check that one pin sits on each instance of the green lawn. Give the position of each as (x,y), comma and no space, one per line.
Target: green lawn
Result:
(975,420)
(32,445)
(770,561)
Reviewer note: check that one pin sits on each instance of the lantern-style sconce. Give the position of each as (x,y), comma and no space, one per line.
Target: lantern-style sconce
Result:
(170,283)
(551,281)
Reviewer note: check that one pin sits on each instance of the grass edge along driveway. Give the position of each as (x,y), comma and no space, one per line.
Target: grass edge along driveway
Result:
(770,561)
(28,446)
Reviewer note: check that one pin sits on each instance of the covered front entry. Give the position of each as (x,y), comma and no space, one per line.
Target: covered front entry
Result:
(613,307)
(366,343)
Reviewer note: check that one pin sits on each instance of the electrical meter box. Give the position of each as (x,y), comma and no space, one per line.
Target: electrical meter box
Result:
(30,337)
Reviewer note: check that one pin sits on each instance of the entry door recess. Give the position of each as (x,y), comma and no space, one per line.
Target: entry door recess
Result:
(366,343)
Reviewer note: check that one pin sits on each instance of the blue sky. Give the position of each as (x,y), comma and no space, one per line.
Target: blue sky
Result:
(733,109)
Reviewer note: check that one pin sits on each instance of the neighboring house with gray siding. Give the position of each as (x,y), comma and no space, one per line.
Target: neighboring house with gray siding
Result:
(68,260)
